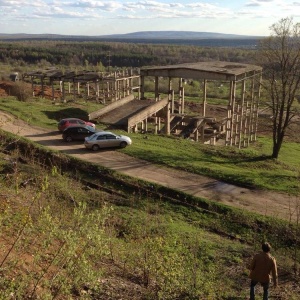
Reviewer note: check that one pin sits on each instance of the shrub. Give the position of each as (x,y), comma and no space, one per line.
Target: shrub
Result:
(21,90)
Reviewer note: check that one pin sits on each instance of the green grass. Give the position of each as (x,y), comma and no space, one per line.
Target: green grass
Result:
(248,167)
(42,112)
(181,249)
(251,167)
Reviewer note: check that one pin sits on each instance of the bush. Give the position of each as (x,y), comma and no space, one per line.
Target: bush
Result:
(21,90)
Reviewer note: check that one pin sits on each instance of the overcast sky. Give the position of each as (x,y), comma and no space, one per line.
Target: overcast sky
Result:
(97,17)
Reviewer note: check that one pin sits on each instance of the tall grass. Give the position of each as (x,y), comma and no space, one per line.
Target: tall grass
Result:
(64,241)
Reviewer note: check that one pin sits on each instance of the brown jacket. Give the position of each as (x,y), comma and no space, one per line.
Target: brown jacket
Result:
(262,265)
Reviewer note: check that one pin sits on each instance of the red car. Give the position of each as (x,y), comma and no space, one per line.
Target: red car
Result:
(64,123)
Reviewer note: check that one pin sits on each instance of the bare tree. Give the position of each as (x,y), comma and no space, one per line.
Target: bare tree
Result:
(279,55)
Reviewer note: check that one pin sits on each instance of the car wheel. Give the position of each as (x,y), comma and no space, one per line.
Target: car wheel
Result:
(69,139)
(123,144)
(95,147)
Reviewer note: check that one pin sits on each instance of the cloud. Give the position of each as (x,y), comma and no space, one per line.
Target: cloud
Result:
(102,5)
(21,3)
(194,13)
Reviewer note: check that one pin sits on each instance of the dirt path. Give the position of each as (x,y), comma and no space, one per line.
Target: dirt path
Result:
(263,202)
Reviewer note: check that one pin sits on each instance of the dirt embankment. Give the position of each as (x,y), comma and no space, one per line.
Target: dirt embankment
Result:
(6,89)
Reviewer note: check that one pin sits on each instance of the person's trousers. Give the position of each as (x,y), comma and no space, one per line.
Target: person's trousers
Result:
(252,290)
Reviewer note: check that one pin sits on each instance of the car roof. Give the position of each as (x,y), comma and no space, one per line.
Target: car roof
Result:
(70,119)
(104,132)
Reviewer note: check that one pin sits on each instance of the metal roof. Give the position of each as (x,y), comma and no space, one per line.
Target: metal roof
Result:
(212,70)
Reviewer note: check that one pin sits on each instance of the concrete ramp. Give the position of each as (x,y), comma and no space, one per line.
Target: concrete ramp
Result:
(128,112)
(120,113)
(146,112)
(112,106)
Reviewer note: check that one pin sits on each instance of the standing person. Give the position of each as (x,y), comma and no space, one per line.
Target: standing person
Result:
(261,267)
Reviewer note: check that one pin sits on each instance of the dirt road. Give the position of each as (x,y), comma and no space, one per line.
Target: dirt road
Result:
(263,202)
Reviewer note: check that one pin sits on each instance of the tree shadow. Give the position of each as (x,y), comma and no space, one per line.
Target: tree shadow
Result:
(51,133)
(70,112)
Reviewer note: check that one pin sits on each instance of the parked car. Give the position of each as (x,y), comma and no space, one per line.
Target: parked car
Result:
(77,133)
(64,123)
(106,139)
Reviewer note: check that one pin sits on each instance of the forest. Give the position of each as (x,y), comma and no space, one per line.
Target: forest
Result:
(96,55)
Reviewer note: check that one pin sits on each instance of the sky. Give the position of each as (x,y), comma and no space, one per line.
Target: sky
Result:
(97,17)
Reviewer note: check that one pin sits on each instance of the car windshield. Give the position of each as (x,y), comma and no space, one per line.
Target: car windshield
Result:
(91,136)
(90,128)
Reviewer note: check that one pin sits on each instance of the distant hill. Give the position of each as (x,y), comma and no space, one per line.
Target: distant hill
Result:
(210,39)
(134,35)
(178,35)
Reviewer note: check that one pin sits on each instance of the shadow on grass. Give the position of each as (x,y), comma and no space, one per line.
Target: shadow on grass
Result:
(70,112)
(51,133)
(238,159)
(89,151)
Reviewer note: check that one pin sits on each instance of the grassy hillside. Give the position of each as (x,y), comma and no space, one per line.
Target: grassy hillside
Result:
(64,238)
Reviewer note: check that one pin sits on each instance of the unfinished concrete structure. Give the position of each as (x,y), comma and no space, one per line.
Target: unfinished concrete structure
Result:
(168,115)
(105,86)
(239,127)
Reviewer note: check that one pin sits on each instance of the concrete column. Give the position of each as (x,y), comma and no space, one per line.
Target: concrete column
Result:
(204,97)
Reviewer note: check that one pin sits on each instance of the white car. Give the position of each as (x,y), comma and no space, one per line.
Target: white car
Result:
(106,139)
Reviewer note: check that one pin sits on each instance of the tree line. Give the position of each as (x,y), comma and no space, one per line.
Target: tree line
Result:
(114,54)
